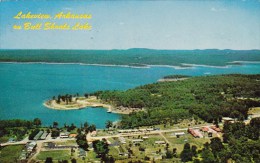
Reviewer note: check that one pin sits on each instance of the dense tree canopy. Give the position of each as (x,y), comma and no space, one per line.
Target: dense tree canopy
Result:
(208,97)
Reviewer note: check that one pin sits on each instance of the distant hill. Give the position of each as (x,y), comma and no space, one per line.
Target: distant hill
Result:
(136,56)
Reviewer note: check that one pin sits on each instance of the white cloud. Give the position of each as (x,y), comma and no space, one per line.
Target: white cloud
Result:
(121,23)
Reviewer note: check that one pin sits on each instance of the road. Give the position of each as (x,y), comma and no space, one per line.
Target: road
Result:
(49,139)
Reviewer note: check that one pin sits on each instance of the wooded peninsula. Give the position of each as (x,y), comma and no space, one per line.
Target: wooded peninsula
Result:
(208,98)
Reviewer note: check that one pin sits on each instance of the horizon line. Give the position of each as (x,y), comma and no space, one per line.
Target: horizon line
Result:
(134,48)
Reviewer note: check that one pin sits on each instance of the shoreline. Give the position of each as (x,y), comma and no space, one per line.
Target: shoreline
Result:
(90,102)
(182,65)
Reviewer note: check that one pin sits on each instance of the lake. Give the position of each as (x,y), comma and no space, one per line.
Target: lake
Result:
(25,86)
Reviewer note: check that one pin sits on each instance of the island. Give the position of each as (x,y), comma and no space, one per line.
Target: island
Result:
(170,78)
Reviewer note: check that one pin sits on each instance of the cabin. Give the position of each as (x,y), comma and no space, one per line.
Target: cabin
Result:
(195,133)
(137,140)
(44,136)
(159,142)
(30,147)
(228,120)
(38,136)
(179,134)
(64,135)
(207,130)
(72,135)
(150,129)
(215,128)
(124,131)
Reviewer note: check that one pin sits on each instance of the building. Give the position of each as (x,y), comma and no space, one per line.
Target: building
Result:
(72,135)
(179,134)
(159,142)
(195,133)
(38,136)
(215,128)
(207,130)
(44,136)
(64,135)
(228,120)
(30,147)
(137,140)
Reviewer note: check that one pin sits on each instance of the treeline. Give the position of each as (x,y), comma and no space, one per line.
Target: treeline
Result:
(132,57)
(175,76)
(15,127)
(209,98)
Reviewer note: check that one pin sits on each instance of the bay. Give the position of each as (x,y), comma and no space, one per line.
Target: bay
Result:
(25,86)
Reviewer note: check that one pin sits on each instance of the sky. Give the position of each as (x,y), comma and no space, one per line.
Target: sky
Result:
(129,24)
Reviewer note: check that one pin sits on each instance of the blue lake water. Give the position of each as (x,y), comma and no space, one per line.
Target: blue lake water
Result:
(24,87)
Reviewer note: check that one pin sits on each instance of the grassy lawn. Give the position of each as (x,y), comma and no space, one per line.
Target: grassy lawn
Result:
(10,153)
(67,142)
(255,110)
(151,149)
(55,154)
(179,142)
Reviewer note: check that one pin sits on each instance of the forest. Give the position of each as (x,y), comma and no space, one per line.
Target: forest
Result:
(137,57)
(209,98)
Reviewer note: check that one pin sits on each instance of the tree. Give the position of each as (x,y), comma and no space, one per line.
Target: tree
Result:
(48,160)
(167,146)
(55,133)
(194,150)
(71,127)
(37,122)
(169,154)
(174,152)
(59,99)
(255,122)
(33,134)
(216,145)
(73,160)
(101,148)
(109,124)
(92,128)
(55,124)
(86,127)
(82,141)
(207,156)
(186,154)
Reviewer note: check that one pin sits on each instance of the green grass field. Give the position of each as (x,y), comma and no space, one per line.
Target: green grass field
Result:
(55,154)
(178,143)
(9,154)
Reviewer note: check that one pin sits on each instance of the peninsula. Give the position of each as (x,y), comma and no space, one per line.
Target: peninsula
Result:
(67,102)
